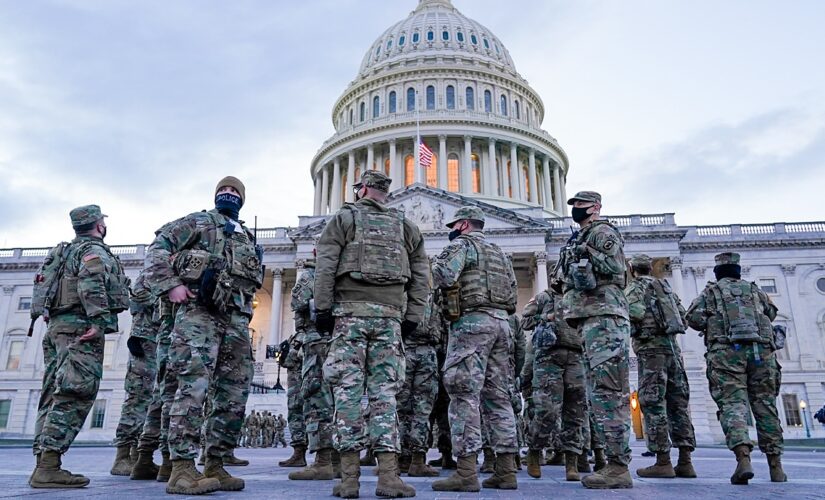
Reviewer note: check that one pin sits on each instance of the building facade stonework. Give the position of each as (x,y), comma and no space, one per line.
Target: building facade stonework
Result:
(477,143)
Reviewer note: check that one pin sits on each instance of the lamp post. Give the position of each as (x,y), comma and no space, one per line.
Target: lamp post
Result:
(803,406)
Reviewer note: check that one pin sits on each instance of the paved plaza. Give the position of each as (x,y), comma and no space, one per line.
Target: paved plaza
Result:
(264,479)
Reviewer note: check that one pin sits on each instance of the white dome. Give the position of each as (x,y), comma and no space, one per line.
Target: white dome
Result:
(436,28)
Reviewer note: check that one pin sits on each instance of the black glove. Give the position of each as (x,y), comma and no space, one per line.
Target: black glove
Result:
(135,347)
(284,348)
(324,321)
(407,328)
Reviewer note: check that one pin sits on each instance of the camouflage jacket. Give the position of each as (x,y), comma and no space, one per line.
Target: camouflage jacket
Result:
(457,256)
(199,231)
(302,294)
(646,334)
(143,306)
(428,331)
(347,296)
(547,307)
(97,270)
(518,351)
(600,243)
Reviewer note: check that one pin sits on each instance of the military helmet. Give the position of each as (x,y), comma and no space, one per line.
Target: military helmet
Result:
(374,179)
(727,258)
(467,212)
(590,196)
(86,214)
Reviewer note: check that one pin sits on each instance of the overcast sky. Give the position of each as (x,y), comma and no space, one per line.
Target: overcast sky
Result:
(712,110)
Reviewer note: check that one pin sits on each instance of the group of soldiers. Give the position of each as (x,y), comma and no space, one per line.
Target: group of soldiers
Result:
(263,430)
(395,353)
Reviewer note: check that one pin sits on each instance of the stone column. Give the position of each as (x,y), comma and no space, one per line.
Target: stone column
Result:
(563,185)
(514,171)
(370,159)
(325,205)
(316,204)
(678,284)
(442,162)
(467,168)
(806,358)
(541,271)
(393,170)
(277,304)
(491,168)
(502,173)
(348,194)
(380,159)
(557,196)
(534,185)
(336,186)
(545,178)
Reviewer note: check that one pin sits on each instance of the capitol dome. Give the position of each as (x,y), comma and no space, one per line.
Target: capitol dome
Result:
(449,80)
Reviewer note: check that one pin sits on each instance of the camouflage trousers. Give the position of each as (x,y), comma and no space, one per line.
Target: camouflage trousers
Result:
(156,425)
(440,422)
(70,382)
(208,353)
(663,397)
(559,400)
(140,379)
(280,438)
(478,377)
(417,398)
(317,396)
(365,354)
(606,340)
(295,411)
(743,376)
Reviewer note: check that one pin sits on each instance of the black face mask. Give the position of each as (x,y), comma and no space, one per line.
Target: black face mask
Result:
(727,271)
(455,233)
(228,204)
(580,214)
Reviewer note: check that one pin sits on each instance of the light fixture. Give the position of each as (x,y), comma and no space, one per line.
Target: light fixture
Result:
(255,302)
(803,404)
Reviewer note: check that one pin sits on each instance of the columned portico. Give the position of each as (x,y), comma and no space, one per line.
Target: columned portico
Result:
(514,171)
(336,186)
(466,171)
(325,208)
(531,169)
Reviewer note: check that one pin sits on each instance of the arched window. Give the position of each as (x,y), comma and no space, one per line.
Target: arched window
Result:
(503,105)
(410,99)
(488,101)
(430,97)
(363,112)
(460,37)
(517,109)
(509,176)
(450,97)
(526,180)
(416,37)
(387,167)
(389,44)
(486,43)
(392,102)
(357,174)
(470,98)
(452,173)
(350,116)
(476,173)
(445,35)
(474,39)
(430,36)
(375,107)
(431,172)
(401,40)
(409,170)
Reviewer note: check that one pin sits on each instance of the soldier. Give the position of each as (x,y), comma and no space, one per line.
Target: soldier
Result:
(656,317)
(735,317)
(90,289)
(315,392)
(208,264)
(591,271)
(418,392)
(558,385)
(368,256)
(254,429)
(268,428)
(292,360)
(279,436)
(479,288)
(140,375)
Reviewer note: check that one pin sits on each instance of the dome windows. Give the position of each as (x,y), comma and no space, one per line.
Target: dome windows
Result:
(416,37)
(401,40)
(517,110)
(503,105)
(430,97)
(445,36)
(459,36)
(469,95)
(488,101)
(430,36)
(473,39)
(362,114)
(450,97)
(486,43)
(375,107)
(410,99)
(498,51)
(389,44)
(392,102)
(378,50)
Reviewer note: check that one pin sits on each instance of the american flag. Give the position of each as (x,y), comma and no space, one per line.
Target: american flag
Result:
(425,155)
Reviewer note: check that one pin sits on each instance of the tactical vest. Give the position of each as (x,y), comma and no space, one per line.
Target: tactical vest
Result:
(376,254)
(599,278)
(47,278)
(68,296)
(487,282)
(301,299)
(738,303)
(662,315)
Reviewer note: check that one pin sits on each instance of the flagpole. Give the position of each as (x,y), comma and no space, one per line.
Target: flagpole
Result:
(417,149)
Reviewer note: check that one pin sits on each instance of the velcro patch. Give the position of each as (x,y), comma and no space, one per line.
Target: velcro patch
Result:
(88,257)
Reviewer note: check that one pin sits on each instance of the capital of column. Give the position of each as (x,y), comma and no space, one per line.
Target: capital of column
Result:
(442,137)
(675,263)
(540,256)
(392,142)
(788,269)
(277,273)
(492,141)
(468,138)
(8,289)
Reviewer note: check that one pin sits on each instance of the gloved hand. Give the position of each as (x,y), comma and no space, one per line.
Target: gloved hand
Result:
(135,347)
(324,321)
(407,328)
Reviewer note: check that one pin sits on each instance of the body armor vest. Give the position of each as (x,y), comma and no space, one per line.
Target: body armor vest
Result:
(486,283)
(376,254)
(741,310)
(662,316)
(68,296)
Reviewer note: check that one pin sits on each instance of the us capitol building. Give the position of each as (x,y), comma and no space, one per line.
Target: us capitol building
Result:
(482,120)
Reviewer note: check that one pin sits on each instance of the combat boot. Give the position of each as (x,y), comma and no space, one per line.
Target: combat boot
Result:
(465,478)
(232,461)
(349,485)
(321,470)
(419,467)
(534,463)
(298,458)
(404,462)
(336,464)
(663,468)
(611,476)
(583,464)
(600,461)
(144,468)
(488,466)
(744,469)
(571,466)
(187,480)
(684,467)
(557,459)
(165,469)
(390,484)
(214,469)
(446,461)
(123,462)
(777,474)
(48,473)
(505,474)
(369,458)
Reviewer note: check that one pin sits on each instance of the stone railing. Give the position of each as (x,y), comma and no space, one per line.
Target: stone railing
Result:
(760,229)
(622,221)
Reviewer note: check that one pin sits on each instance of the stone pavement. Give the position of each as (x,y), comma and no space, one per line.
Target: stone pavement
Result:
(265,480)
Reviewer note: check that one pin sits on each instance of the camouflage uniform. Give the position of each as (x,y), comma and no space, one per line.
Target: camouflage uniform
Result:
(279,426)
(664,392)
(93,289)
(141,372)
(156,425)
(295,402)
(210,348)
(558,381)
